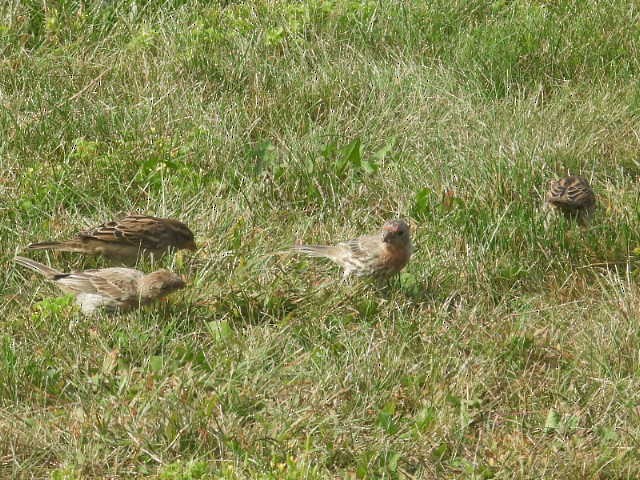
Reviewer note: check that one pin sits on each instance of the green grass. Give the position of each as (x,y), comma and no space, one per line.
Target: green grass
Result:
(509,349)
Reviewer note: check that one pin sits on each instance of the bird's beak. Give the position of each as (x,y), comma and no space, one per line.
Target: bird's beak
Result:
(191,246)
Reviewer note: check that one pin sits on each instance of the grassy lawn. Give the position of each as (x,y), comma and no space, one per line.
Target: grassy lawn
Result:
(509,347)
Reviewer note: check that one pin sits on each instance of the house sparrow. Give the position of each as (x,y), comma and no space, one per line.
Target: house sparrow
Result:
(573,197)
(127,239)
(379,255)
(111,289)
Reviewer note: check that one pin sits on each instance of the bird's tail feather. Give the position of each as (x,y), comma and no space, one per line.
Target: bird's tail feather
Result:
(38,267)
(316,250)
(69,246)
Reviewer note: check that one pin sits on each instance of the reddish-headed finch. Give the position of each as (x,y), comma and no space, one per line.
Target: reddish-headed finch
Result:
(111,289)
(573,197)
(380,255)
(126,239)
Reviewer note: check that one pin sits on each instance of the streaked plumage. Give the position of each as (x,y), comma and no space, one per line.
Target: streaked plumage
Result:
(382,254)
(127,239)
(111,289)
(573,197)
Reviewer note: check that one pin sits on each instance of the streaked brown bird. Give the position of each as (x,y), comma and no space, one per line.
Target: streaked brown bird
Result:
(109,289)
(380,255)
(127,239)
(573,197)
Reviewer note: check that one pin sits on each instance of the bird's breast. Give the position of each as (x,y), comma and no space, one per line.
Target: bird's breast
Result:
(395,257)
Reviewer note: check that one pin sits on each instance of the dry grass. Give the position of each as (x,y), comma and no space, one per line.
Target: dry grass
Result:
(508,349)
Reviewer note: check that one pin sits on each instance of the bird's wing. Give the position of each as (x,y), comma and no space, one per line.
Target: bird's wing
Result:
(351,247)
(575,194)
(131,230)
(361,247)
(116,283)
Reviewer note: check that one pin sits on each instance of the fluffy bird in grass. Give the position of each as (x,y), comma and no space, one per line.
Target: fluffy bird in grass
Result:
(126,239)
(573,197)
(379,255)
(110,289)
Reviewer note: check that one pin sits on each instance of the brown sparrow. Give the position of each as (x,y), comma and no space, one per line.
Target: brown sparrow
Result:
(573,197)
(381,255)
(111,289)
(127,239)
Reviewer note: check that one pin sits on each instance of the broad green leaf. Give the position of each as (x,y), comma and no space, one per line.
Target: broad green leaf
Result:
(156,362)
(420,208)
(220,330)
(380,155)
(553,421)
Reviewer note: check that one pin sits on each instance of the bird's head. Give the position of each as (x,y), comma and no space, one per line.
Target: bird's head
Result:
(183,235)
(396,232)
(160,284)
